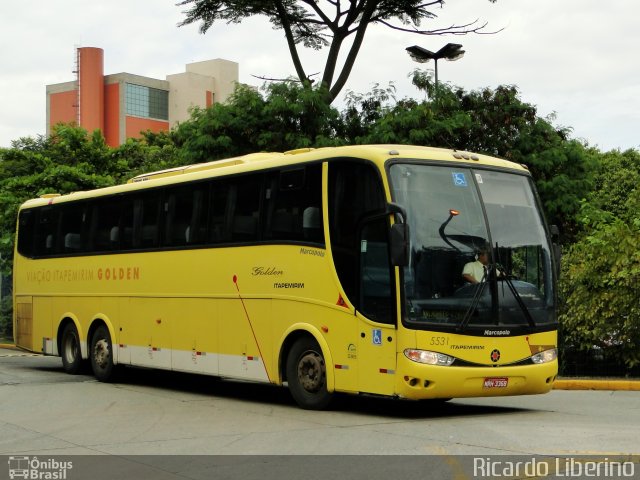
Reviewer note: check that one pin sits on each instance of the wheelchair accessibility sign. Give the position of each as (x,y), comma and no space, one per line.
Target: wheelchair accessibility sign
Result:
(459,179)
(376,336)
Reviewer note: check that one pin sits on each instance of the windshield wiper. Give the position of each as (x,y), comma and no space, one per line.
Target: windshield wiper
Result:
(475,301)
(516,295)
(501,273)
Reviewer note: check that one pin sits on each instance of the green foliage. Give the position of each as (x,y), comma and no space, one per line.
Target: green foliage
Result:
(618,175)
(6,317)
(287,117)
(496,122)
(70,160)
(601,286)
(601,273)
(154,151)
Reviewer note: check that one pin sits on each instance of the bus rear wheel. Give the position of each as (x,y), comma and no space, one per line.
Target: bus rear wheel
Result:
(307,375)
(70,349)
(101,354)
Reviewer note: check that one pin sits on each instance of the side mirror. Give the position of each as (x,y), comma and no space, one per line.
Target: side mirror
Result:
(399,244)
(397,209)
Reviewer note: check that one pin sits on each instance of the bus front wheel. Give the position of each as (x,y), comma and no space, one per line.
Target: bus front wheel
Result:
(102,354)
(70,349)
(307,375)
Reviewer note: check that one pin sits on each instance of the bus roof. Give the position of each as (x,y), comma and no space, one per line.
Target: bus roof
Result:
(266,160)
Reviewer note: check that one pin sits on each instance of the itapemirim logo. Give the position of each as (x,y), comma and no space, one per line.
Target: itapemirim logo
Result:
(33,468)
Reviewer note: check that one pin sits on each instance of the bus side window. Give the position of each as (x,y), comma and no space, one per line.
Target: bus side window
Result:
(146,212)
(219,217)
(246,208)
(27,233)
(72,228)
(111,225)
(294,206)
(185,219)
(46,231)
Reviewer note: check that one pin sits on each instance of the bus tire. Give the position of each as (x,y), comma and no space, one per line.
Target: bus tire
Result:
(307,375)
(70,350)
(101,354)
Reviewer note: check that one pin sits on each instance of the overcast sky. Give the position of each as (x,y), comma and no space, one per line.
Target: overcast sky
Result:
(575,58)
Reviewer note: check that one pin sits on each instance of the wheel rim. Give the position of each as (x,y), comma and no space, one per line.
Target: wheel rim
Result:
(311,371)
(101,353)
(70,348)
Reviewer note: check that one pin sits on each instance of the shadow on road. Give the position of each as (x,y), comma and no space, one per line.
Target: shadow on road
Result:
(273,395)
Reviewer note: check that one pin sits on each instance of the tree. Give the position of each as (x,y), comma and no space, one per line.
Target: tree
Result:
(601,270)
(618,175)
(600,285)
(330,23)
(69,160)
(287,116)
(66,161)
(491,121)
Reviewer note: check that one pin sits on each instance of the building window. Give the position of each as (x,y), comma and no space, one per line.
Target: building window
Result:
(147,102)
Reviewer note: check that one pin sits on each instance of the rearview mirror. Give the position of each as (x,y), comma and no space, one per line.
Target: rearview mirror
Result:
(400,244)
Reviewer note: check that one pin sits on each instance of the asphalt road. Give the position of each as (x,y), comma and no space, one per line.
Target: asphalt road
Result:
(45,412)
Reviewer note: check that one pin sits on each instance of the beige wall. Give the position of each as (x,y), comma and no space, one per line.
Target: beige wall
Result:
(189,89)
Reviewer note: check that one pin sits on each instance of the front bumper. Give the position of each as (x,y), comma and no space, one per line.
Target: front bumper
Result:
(418,381)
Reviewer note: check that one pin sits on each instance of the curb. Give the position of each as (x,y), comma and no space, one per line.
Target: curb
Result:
(9,346)
(584,384)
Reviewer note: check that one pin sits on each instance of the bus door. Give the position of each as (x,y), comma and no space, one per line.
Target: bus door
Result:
(359,232)
(376,317)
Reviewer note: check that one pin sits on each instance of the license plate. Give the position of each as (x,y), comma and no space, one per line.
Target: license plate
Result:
(496,382)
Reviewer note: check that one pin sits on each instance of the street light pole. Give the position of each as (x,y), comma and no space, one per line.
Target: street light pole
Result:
(450,52)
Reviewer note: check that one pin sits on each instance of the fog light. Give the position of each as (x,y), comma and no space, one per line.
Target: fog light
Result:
(545,357)
(428,357)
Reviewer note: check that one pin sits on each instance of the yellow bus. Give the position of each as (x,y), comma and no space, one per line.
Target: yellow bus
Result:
(328,270)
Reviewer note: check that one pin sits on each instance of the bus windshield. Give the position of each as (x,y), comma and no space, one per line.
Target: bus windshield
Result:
(479,253)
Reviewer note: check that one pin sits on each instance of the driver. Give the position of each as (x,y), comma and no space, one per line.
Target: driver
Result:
(473,272)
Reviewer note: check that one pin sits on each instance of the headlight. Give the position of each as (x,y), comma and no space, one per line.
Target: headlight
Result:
(430,358)
(545,357)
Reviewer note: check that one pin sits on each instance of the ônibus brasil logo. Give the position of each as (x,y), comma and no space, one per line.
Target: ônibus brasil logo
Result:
(33,468)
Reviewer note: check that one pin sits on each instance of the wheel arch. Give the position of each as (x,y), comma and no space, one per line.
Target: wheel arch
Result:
(290,337)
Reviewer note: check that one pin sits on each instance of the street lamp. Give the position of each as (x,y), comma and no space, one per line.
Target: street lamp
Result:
(450,52)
